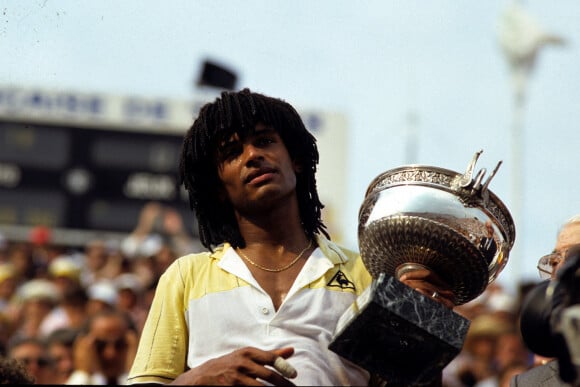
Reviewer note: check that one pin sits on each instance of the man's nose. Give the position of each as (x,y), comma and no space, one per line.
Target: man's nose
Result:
(252,154)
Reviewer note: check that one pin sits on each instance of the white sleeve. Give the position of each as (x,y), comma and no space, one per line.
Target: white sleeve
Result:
(84,378)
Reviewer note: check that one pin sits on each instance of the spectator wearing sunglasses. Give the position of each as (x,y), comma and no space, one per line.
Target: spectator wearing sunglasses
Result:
(105,350)
(31,353)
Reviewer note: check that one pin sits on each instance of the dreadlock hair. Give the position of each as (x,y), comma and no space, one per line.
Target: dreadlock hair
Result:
(240,112)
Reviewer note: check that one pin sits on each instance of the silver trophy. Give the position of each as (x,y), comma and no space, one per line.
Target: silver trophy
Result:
(413,217)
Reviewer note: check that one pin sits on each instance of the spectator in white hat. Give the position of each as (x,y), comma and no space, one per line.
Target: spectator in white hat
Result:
(64,272)
(103,295)
(32,303)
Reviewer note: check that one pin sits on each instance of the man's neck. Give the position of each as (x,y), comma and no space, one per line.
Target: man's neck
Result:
(279,226)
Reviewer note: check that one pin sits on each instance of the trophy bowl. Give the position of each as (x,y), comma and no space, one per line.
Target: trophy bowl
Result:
(419,216)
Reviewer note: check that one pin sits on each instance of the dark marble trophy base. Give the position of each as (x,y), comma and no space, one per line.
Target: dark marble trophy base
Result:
(399,334)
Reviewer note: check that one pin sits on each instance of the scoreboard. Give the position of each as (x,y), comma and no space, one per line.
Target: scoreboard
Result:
(84,164)
(83,178)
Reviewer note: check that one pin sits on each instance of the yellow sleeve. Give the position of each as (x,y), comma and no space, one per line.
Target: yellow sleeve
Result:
(162,352)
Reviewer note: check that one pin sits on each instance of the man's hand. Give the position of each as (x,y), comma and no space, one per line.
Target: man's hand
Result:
(429,284)
(242,367)
(85,355)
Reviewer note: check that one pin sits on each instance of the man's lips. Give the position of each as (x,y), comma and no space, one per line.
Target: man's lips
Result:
(259,175)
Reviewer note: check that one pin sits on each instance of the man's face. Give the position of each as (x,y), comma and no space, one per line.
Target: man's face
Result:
(110,333)
(256,171)
(568,236)
(34,358)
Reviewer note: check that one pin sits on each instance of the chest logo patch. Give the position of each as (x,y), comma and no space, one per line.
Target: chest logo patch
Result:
(340,280)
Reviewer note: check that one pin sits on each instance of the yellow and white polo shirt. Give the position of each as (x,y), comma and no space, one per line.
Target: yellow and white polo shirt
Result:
(208,304)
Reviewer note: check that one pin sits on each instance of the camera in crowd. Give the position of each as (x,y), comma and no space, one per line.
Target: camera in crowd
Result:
(550,318)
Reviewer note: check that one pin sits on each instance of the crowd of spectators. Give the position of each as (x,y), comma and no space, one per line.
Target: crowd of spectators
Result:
(494,349)
(52,297)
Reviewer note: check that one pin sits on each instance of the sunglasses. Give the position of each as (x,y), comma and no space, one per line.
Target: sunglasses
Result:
(118,344)
(40,361)
(548,263)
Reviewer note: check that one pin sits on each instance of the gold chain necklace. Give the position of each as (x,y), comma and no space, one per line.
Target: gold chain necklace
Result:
(288,266)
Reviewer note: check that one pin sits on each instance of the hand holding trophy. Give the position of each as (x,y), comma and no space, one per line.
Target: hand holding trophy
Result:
(415,217)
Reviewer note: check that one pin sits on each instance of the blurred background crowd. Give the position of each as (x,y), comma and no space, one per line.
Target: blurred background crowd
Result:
(50,293)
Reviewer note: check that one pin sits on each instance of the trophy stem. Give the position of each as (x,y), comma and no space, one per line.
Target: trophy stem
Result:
(407,267)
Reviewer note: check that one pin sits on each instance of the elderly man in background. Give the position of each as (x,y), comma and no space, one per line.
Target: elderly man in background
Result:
(546,373)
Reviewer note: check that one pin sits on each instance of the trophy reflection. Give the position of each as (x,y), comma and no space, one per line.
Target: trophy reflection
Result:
(413,217)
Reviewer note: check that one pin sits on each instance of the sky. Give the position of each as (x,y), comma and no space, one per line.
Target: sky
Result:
(418,82)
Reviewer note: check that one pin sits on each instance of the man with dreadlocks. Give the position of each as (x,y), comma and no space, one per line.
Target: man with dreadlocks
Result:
(262,304)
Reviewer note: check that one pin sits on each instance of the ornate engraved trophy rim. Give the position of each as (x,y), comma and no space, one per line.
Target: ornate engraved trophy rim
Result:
(447,180)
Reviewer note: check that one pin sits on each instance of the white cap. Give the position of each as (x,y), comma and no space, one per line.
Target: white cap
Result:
(134,247)
(501,301)
(64,266)
(104,291)
(38,289)
(129,281)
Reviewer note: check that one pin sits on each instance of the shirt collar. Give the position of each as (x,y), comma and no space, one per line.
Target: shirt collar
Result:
(328,248)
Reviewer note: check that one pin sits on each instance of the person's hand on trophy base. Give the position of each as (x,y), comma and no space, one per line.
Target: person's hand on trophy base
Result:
(429,284)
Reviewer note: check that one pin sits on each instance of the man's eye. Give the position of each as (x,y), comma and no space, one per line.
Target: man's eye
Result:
(265,141)
(228,152)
